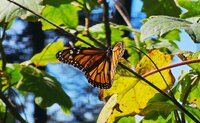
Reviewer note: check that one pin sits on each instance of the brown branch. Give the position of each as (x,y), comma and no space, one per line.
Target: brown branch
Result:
(3,56)
(106,23)
(171,66)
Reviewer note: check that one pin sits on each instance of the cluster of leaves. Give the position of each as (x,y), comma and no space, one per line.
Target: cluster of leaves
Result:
(130,95)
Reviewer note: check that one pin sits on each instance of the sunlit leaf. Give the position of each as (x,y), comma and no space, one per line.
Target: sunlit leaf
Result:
(172,35)
(189,87)
(9,11)
(158,26)
(191,5)
(133,53)
(98,32)
(89,4)
(161,7)
(85,38)
(11,76)
(133,94)
(60,13)
(128,119)
(5,117)
(46,89)
(194,95)
(195,66)
(156,117)
(194,112)
(47,55)
(14,71)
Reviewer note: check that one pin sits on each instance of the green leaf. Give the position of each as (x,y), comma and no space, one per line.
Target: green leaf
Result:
(62,13)
(47,55)
(14,72)
(9,11)
(87,4)
(155,117)
(194,112)
(162,108)
(190,88)
(85,38)
(162,24)
(195,66)
(132,52)
(195,35)
(116,34)
(194,95)
(128,119)
(191,5)
(172,35)
(160,7)
(162,44)
(2,106)
(98,32)
(11,76)
(46,89)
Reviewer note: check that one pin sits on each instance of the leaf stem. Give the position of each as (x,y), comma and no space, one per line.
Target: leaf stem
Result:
(171,66)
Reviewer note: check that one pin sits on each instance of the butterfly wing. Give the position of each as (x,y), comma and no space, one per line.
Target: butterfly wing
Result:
(117,53)
(98,65)
(91,61)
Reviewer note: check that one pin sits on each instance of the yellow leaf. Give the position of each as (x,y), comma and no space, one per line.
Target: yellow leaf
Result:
(133,94)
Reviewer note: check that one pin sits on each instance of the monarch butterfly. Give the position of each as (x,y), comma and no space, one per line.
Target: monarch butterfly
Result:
(98,65)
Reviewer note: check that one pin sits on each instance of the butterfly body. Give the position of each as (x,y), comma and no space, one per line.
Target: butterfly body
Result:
(98,65)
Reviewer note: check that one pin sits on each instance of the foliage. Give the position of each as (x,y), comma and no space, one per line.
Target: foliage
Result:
(149,91)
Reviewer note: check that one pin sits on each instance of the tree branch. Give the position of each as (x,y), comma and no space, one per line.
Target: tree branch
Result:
(106,23)
(3,56)
(11,108)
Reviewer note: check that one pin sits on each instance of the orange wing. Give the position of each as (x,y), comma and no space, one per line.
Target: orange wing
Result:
(98,65)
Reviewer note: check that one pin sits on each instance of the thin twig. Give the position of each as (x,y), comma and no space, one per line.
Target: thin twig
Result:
(127,21)
(171,66)
(106,23)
